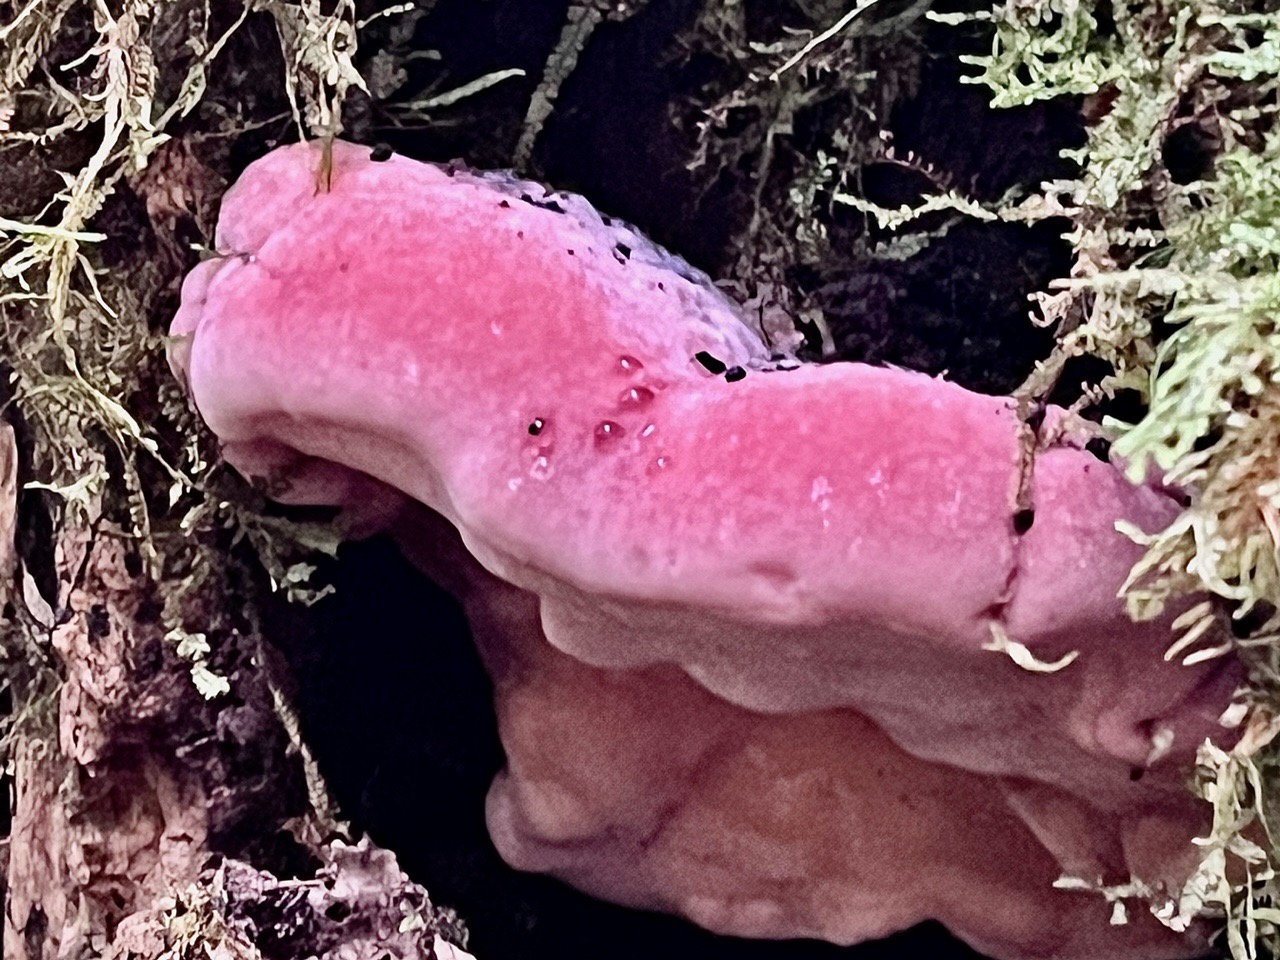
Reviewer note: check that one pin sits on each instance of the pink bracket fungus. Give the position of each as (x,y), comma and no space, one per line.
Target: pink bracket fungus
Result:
(753,631)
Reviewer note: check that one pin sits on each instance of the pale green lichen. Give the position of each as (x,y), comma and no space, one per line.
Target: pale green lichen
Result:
(1191,246)
(842,73)
(581,21)
(112,80)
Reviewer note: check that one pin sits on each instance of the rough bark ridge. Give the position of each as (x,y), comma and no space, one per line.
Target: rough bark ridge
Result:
(138,791)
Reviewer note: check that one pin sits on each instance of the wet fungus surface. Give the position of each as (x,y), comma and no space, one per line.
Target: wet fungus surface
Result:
(752,625)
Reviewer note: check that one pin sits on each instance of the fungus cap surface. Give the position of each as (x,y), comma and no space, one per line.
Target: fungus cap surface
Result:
(791,541)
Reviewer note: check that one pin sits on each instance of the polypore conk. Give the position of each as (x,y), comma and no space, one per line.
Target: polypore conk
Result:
(769,700)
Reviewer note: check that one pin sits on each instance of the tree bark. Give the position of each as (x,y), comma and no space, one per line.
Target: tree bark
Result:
(148,819)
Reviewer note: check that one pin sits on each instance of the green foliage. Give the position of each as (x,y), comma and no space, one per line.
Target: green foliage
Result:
(580,23)
(77,344)
(111,438)
(1176,227)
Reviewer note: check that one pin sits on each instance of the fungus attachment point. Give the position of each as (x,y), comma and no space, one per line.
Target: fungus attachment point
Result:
(741,660)
(381,153)
(324,169)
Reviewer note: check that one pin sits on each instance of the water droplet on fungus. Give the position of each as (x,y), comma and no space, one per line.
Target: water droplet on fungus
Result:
(607,430)
(635,397)
(541,468)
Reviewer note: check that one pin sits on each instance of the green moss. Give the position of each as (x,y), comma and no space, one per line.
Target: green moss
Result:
(109,435)
(1176,282)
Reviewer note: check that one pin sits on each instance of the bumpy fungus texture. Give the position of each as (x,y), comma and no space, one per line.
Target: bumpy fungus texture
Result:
(739,625)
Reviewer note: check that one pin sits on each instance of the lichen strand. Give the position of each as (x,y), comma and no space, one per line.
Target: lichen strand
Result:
(798,123)
(1176,284)
(146,105)
(113,119)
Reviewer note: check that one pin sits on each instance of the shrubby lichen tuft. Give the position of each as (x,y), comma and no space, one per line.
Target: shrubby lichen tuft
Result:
(1176,283)
(125,90)
(802,113)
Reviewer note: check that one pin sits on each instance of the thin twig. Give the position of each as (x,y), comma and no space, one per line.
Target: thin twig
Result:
(862,7)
